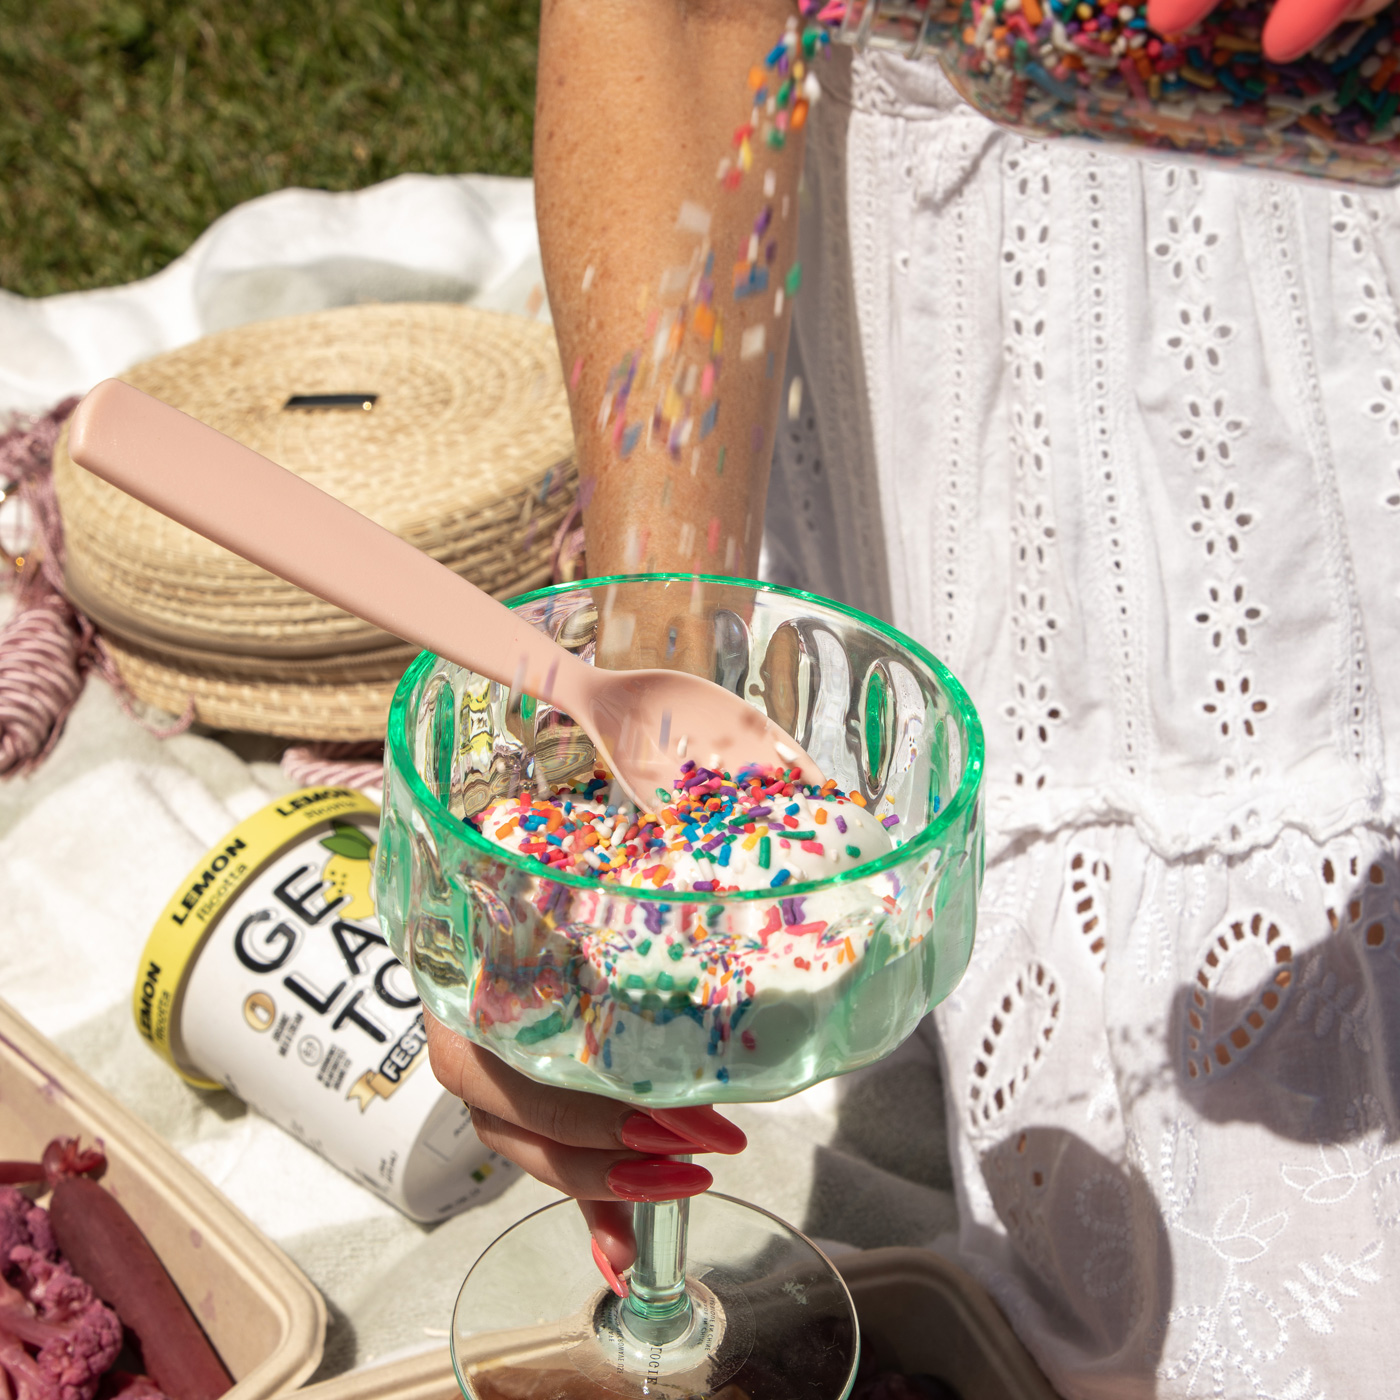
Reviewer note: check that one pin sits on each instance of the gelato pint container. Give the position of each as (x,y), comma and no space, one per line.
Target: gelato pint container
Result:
(267,975)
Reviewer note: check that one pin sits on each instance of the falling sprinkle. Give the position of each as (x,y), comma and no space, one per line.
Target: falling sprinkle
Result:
(693,218)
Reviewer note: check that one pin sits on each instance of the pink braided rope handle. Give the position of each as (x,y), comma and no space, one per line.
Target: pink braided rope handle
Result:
(48,646)
(335,764)
(40,679)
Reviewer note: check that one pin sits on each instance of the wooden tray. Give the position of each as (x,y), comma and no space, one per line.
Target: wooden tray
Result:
(264,1316)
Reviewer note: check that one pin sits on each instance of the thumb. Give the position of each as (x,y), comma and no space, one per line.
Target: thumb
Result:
(610,1224)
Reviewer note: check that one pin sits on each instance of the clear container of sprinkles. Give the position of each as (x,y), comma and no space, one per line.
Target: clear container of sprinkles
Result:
(1092,69)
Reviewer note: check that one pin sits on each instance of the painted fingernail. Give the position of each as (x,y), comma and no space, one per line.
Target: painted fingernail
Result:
(656,1179)
(1174,16)
(608,1272)
(704,1127)
(1295,26)
(642,1133)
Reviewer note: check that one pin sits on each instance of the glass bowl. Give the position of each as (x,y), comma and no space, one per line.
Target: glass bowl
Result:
(673,998)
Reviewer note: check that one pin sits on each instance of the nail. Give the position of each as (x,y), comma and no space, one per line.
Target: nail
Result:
(642,1133)
(704,1127)
(608,1272)
(1295,26)
(1176,16)
(655,1179)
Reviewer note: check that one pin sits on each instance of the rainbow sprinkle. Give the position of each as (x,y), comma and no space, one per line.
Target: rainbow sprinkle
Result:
(704,816)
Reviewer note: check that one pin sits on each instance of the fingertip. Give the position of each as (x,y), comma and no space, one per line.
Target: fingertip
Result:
(705,1127)
(1295,26)
(1176,16)
(657,1179)
(618,1285)
(610,1223)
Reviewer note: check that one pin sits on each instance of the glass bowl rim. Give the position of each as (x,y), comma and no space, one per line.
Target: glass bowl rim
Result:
(926,839)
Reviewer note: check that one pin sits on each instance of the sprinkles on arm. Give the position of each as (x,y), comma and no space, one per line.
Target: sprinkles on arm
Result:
(665,389)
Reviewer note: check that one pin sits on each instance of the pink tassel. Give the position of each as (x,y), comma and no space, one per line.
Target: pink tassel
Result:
(48,646)
(40,680)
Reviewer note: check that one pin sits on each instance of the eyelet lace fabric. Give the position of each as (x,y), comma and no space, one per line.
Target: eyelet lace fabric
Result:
(1120,441)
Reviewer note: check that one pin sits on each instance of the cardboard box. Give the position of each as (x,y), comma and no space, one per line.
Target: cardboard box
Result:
(919,1314)
(922,1315)
(263,1315)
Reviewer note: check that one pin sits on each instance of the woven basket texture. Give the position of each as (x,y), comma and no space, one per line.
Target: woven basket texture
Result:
(467,453)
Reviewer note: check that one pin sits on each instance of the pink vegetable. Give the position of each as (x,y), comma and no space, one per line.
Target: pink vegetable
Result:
(107,1247)
(57,1338)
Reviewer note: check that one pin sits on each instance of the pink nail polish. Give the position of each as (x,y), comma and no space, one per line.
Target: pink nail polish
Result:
(703,1127)
(656,1179)
(609,1274)
(642,1133)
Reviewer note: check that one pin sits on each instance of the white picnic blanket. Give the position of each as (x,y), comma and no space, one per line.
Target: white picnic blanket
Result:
(93,844)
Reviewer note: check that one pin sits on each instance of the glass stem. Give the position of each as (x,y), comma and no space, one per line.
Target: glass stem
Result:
(658,1308)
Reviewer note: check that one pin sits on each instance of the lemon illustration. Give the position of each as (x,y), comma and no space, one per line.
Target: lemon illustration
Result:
(348,872)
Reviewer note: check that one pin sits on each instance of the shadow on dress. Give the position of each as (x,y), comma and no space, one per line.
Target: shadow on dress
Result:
(1086,1238)
(1304,1044)
(1092,1252)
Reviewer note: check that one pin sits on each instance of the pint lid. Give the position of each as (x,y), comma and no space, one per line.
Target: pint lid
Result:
(204,894)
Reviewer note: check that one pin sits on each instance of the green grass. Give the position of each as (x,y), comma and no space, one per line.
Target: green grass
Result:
(126,127)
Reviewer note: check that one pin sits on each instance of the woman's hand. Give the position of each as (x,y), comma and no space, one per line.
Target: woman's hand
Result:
(1293,26)
(605,1153)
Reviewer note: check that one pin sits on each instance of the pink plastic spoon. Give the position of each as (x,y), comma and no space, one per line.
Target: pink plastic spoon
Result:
(642,723)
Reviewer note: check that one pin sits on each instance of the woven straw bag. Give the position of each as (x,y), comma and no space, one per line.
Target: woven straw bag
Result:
(466,451)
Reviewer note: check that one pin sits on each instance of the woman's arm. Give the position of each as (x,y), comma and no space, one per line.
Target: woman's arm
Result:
(638,104)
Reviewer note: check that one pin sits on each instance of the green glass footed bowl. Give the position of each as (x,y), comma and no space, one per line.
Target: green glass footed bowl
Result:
(672,998)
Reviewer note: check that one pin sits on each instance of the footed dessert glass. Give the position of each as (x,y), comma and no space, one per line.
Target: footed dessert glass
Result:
(670,998)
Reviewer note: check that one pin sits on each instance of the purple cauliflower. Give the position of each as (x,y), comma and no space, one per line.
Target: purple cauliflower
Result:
(23,1223)
(57,1338)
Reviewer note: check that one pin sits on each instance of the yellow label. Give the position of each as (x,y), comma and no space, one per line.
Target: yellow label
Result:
(209,889)
(371,1084)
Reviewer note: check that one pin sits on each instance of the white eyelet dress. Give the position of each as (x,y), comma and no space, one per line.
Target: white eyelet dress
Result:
(1120,441)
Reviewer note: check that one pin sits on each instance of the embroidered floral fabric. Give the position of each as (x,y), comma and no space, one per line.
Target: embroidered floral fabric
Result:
(1121,442)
